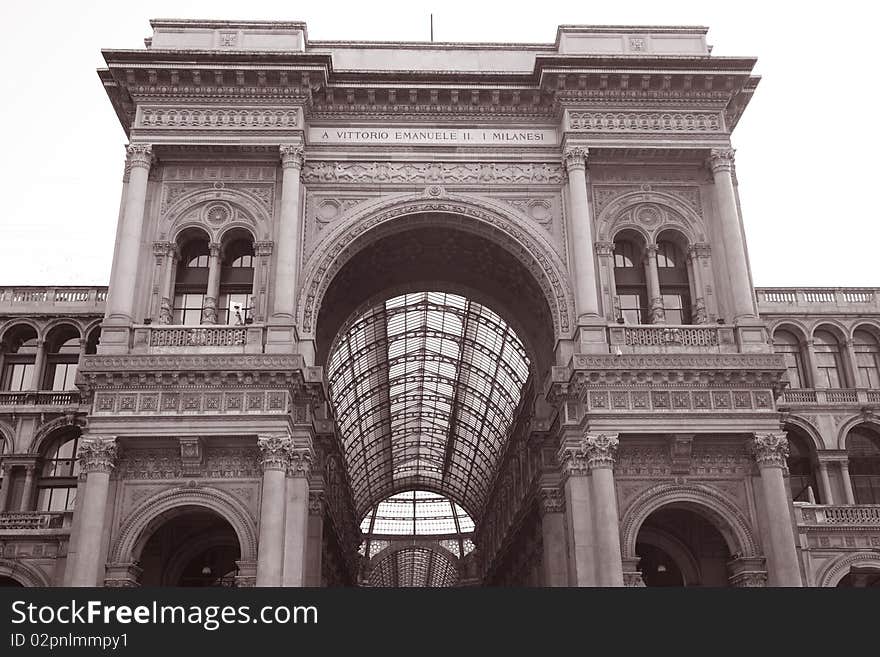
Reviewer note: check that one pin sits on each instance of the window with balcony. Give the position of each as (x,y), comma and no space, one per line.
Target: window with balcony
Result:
(236,279)
(191,281)
(62,349)
(867,353)
(58,476)
(863,450)
(20,353)
(801,478)
(788,345)
(629,279)
(828,363)
(672,273)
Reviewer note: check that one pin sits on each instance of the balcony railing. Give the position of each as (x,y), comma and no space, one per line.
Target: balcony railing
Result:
(39,520)
(53,298)
(246,338)
(830,396)
(776,299)
(40,398)
(862,514)
(672,337)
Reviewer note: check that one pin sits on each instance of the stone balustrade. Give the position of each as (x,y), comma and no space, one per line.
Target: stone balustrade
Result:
(40,299)
(40,398)
(797,397)
(35,520)
(674,338)
(817,514)
(199,339)
(834,299)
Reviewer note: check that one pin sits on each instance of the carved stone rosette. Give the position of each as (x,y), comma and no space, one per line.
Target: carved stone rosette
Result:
(721,159)
(97,454)
(770,449)
(274,451)
(300,464)
(551,500)
(572,461)
(139,155)
(575,157)
(601,450)
(292,156)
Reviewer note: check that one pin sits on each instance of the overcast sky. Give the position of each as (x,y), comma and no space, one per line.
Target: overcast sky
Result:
(807,146)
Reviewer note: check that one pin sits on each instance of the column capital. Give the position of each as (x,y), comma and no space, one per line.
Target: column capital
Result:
(651,250)
(300,463)
(274,451)
(770,449)
(292,156)
(214,249)
(263,248)
(604,248)
(97,454)
(601,449)
(699,250)
(165,249)
(139,155)
(721,159)
(550,500)
(572,459)
(575,158)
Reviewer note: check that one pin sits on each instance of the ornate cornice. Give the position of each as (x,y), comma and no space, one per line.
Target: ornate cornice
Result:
(139,155)
(721,159)
(97,454)
(601,449)
(300,464)
(292,156)
(770,449)
(275,451)
(575,158)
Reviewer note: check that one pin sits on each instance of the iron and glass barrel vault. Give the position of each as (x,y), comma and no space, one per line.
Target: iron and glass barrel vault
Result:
(435,314)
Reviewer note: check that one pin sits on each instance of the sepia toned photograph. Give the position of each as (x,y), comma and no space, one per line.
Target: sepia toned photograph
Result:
(451,296)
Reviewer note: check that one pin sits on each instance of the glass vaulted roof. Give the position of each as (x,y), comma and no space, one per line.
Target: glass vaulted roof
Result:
(425,387)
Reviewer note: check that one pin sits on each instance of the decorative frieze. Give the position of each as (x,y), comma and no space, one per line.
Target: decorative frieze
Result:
(217,118)
(637,122)
(550,500)
(191,454)
(96,454)
(652,398)
(199,401)
(421,173)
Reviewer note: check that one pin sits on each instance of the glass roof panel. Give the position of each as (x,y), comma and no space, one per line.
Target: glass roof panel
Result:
(425,387)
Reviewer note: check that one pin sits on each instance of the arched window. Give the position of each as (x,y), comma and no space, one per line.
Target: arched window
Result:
(828,368)
(863,449)
(629,280)
(867,359)
(674,285)
(191,283)
(800,468)
(62,358)
(20,354)
(236,280)
(57,485)
(787,344)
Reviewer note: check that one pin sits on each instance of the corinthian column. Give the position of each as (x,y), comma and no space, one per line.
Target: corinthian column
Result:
(771,450)
(209,307)
(657,314)
(97,458)
(721,162)
(288,246)
(578,515)
(582,257)
(297,521)
(275,458)
(552,507)
(123,278)
(600,450)
(168,251)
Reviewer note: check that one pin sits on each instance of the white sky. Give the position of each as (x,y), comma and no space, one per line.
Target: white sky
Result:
(807,145)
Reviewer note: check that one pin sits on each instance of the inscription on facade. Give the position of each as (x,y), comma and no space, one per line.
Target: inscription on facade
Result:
(434,136)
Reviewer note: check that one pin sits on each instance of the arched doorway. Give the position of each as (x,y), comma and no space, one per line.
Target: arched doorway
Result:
(195,547)
(861,577)
(679,547)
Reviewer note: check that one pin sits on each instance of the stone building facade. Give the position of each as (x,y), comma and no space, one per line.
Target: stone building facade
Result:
(435,314)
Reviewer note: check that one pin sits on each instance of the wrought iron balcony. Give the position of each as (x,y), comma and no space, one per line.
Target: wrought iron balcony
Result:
(857,397)
(40,398)
(35,520)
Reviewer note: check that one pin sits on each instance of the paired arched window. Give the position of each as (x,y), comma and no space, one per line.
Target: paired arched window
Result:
(788,345)
(828,362)
(867,354)
(191,281)
(639,280)
(802,478)
(57,485)
(236,280)
(863,450)
(20,354)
